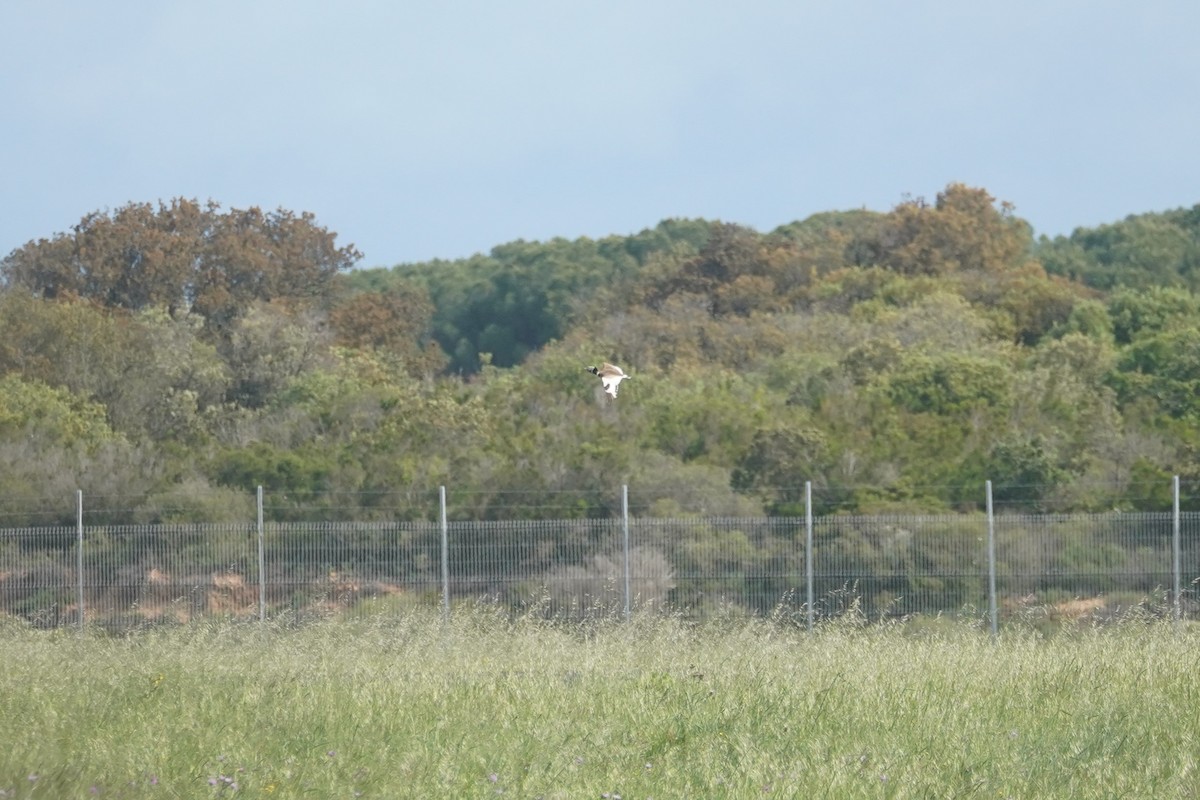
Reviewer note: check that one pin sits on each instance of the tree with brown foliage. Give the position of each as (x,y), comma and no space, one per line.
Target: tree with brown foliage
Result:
(962,231)
(397,321)
(184,257)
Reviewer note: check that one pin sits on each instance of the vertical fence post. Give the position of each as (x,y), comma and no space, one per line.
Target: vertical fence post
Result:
(991,559)
(808,551)
(262,563)
(625,529)
(445,552)
(1176,556)
(79,554)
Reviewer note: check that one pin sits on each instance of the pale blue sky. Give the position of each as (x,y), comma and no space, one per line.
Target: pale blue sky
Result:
(426,130)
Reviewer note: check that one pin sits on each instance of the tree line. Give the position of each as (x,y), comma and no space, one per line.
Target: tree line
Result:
(174,355)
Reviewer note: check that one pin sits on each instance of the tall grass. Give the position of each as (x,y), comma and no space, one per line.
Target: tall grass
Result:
(484,706)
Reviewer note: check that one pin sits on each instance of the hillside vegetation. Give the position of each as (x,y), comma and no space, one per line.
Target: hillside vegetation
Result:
(171,357)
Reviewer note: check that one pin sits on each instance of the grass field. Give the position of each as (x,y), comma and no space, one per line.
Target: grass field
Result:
(654,708)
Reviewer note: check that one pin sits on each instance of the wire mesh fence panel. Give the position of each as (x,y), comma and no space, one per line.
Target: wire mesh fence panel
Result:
(1189,529)
(565,567)
(1064,566)
(701,566)
(1071,565)
(899,565)
(353,569)
(39,575)
(142,574)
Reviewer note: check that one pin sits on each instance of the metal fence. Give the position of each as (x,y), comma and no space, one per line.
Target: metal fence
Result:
(982,566)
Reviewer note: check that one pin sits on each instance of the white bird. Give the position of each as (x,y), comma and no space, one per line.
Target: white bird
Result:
(610,375)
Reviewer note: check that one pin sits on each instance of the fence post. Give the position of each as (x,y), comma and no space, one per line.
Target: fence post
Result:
(79,555)
(1176,557)
(262,563)
(808,551)
(991,559)
(445,552)
(625,529)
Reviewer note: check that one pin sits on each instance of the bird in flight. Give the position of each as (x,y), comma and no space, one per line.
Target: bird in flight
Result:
(610,375)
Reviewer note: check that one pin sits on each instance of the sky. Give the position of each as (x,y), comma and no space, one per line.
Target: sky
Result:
(419,130)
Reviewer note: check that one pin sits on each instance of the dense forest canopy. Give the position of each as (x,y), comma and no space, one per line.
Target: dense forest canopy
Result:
(177,355)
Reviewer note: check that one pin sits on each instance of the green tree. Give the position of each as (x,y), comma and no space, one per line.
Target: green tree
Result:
(175,381)
(1090,317)
(1031,303)
(31,409)
(1136,312)
(270,346)
(1164,366)
(1023,470)
(778,463)
(523,295)
(277,469)
(948,384)
(1144,250)
(153,374)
